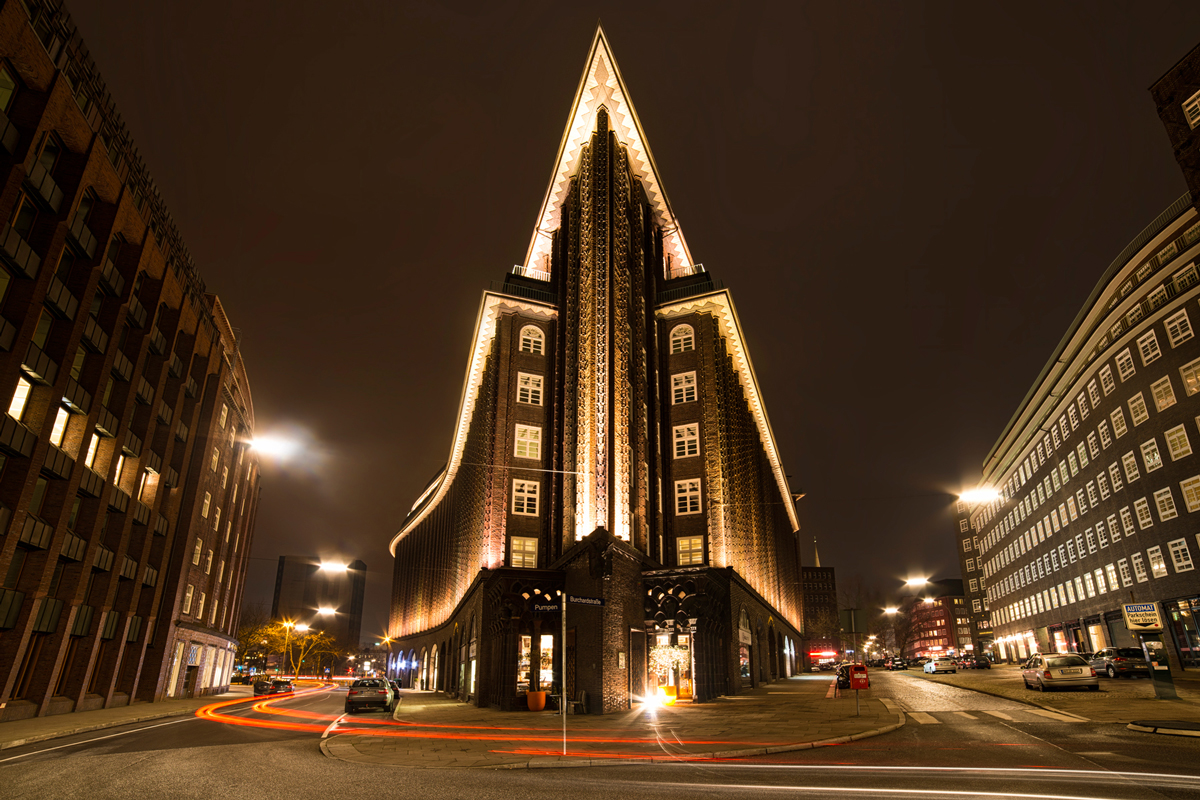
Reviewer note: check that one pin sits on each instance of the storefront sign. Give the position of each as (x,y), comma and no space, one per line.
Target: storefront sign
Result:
(1142,617)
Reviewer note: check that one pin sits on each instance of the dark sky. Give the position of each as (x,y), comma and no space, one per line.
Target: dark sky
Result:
(910,202)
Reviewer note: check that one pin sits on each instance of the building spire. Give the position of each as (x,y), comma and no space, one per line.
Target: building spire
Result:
(602,86)
(816,555)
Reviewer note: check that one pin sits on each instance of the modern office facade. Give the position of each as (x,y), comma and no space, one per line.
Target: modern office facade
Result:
(127,492)
(974,585)
(330,600)
(1097,470)
(611,444)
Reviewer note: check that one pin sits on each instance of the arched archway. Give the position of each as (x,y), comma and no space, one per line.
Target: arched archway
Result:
(423,675)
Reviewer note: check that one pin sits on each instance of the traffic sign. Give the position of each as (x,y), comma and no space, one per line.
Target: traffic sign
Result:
(585,601)
(1142,617)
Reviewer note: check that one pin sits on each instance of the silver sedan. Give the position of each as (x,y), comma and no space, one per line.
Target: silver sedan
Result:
(1058,671)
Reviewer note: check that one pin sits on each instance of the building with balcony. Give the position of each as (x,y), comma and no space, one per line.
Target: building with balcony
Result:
(1097,473)
(330,600)
(612,446)
(127,489)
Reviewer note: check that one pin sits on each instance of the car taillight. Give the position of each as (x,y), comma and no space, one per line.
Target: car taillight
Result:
(1093,673)
(351,692)
(1047,674)
(1118,659)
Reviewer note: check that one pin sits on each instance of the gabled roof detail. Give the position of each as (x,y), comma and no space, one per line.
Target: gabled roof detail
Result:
(602,85)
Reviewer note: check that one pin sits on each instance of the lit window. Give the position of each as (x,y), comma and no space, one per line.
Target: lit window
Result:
(1165,503)
(1115,474)
(120,467)
(1129,461)
(1127,521)
(1191,110)
(200,606)
(524,552)
(529,388)
(1191,493)
(682,339)
(216,459)
(208,562)
(1142,508)
(1177,443)
(198,552)
(1093,444)
(90,459)
(683,388)
(221,571)
(1106,380)
(1164,395)
(1148,347)
(1126,575)
(224,476)
(59,431)
(224,416)
(187,600)
(525,498)
(1125,365)
(1179,327)
(1139,567)
(1181,558)
(687,496)
(217,518)
(529,442)
(1137,409)
(1158,567)
(532,340)
(1191,377)
(20,399)
(690,550)
(1101,584)
(1150,455)
(687,440)
(1118,421)
(204,508)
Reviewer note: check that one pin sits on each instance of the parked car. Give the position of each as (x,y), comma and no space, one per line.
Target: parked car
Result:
(276,686)
(1058,671)
(978,662)
(368,692)
(896,663)
(937,665)
(1118,661)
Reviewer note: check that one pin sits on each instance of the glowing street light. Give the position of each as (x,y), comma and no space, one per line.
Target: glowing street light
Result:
(891,610)
(302,628)
(333,566)
(325,611)
(982,494)
(915,582)
(275,446)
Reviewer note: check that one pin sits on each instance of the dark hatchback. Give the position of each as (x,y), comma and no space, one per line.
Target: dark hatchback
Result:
(272,687)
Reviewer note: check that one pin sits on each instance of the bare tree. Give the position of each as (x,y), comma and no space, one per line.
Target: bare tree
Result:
(255,633)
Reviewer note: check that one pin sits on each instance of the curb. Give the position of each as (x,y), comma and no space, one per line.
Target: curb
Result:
(689,757)
(45,737)
(1163,731)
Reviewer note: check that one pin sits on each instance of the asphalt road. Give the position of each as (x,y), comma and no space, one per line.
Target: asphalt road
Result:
(956,743)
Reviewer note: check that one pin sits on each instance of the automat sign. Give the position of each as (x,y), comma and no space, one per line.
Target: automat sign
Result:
(1142,617)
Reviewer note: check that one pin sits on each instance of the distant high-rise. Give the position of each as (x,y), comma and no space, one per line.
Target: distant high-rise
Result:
(330,600)
(612,443)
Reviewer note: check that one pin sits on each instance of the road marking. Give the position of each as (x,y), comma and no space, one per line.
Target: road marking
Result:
(965,714)
(923,718)
(332,725)
(1056,716)
(999,714)
(832,690)
(98,738)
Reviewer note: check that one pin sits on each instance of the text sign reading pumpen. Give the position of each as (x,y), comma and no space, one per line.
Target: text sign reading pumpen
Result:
(585,601)
(1142,617)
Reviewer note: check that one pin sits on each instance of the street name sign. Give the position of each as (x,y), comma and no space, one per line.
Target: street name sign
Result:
(585,601)
(1142,617)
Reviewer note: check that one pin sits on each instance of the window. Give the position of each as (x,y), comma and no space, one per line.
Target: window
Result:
(1081,401)
(1113,531)
(1090,538)
(1127,521)
(1074,464)
(1081,450)
(1137,409)
(1148,347)
(59,431)
(1142,508)
(974,585)
(200,606)
(683,388)
(224,476)
(1191,110)
(1177,443)
(208,563)
(1165,503)
(120,468)
(1093,444)
(1091,586)
(532,340)
(1101,584)
(198,552)
(1190,373)
(690,550)
(687,440)
(682,339)
(1181,559)
(89,460)
(1150,455)
(217,518)
(20,399)
(970,565)
(529,388)
(1105,436)
(1126,575)
(529,442)
(1106,380)
(963,526)
(1073,415)
(1118,421)
(966,545)
(524,552)
(1093,393)
(1164,395)
(1158,567)
(216,459)
(1179,327)
(224,416)
(1102,482)
(204,508)
(687,496)
(1125,365)
(1091,493)
(1191,493)
(187,601)
(1115,474)
(525,498)
(1139,567)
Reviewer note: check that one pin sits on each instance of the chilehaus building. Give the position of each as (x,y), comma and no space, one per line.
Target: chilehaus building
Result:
(127,490)
(1099,468)
(611,446)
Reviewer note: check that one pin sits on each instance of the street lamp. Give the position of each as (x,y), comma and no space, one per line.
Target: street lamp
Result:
(978,495)
(333,566)
(913,583)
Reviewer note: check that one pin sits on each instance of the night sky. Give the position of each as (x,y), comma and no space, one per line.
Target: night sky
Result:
(910,202)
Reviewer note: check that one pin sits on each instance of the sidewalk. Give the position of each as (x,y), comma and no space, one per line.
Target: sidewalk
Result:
(793,714)
(40,729)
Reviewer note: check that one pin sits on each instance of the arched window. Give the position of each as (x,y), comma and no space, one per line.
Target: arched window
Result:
(682,339)
(532,340)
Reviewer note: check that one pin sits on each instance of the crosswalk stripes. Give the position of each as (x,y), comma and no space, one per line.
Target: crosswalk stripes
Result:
(924,719)
(1056,716)
(965,714)
(1024,716)
(1000,714)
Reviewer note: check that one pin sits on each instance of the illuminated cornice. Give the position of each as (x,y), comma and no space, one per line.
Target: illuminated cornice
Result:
(601,85)
(720,305)
(490,310)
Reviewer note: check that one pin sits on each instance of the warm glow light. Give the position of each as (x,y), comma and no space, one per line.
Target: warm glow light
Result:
(928,599)
(916,582)
(333,566)
(666,695)
(983,494)
(275,446)
(301,627)
(890,610)
(326,611)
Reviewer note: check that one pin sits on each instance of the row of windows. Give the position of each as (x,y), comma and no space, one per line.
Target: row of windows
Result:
(533,340)
(1109,578)
(689,550)
(526,494)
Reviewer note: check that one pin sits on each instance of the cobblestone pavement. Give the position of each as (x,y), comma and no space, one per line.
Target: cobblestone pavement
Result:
(797,713)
